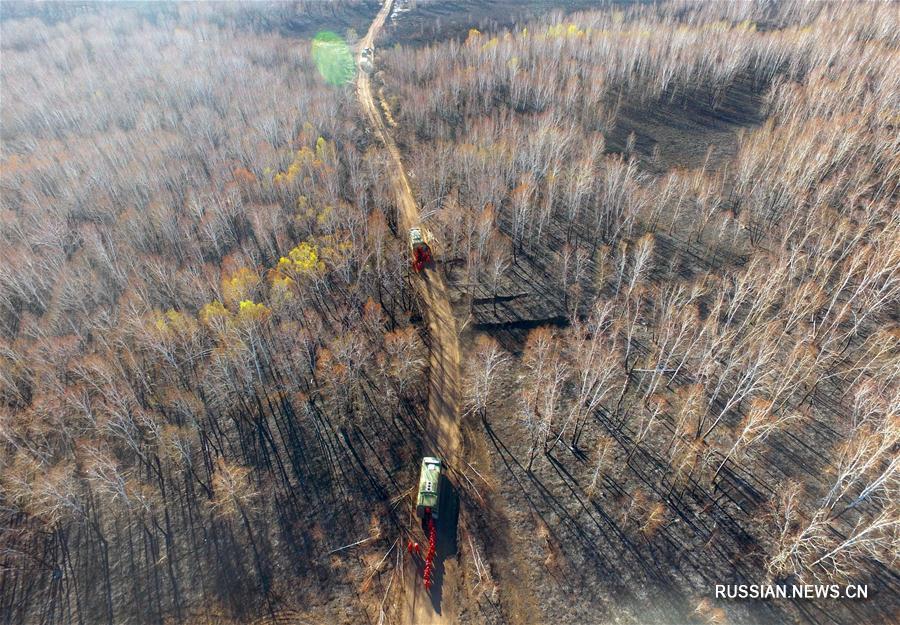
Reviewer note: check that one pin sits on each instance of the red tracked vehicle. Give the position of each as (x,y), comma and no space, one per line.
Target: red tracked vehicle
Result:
(427,504)
(419,251)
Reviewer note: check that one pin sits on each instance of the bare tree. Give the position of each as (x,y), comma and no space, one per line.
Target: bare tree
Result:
(487,362)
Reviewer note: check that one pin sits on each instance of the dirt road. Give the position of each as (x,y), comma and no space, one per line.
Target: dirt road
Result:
(444,380)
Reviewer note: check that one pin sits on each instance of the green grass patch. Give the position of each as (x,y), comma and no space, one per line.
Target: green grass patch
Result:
(333,58)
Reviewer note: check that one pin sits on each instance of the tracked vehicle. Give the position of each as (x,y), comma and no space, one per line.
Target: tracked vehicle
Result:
(419,250)
(427,509)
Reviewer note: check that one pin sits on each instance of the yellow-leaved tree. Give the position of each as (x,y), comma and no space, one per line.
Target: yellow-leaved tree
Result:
(251,313)
(174,324)
(239,285)
(302,261)
(216,317)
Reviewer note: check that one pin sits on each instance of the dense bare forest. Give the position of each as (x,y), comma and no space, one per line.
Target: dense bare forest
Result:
(696,205)
(206,360)
(671,237)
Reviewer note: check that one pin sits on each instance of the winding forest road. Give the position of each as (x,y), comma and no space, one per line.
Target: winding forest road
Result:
(442,432)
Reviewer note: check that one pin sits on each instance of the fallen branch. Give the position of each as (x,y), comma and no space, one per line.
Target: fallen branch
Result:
(358,542)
